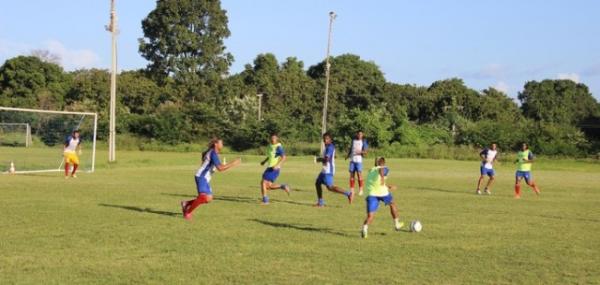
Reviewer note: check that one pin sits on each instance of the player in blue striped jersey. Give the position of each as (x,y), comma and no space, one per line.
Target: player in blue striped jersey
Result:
(326,175)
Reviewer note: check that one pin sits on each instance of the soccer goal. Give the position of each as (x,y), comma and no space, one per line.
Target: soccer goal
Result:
(32,141)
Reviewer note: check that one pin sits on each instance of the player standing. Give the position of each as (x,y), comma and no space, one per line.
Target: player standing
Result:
(275,158)
(71,152)
(377,191)
(358,149)
(326,175)
(488,157)
(524,160)
(210,163)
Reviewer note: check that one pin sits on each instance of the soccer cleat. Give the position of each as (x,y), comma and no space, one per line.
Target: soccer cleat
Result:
(320,204)
(488,192)
(364,233)
(517,196)
(184,205)
(478,192)
(351,197)
(399,225)
(360,192)
(286,188)
(187,216)
(74,175)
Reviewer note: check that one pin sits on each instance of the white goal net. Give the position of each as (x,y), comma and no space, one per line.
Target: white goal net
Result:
(33,140)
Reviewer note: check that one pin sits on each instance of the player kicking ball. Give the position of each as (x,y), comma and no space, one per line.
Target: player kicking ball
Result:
(358,149)
(378,191)
(210,163)
(275,158)
(71,153)
(524,162)
(326,175)
(488,158)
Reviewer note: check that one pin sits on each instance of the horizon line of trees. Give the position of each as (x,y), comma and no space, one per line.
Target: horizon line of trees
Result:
(186,94)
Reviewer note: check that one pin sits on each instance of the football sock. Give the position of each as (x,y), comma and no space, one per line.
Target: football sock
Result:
(265,199)
(518,190)
(74,168)
(361,183)
(352,182)
(193,204)
(66,169)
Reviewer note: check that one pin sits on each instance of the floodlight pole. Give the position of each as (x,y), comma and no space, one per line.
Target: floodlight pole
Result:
(112,28)
(332,17)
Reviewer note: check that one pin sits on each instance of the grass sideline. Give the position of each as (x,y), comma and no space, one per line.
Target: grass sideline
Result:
(122,225)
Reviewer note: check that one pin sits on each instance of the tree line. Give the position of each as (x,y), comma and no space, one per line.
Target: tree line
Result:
(187,94)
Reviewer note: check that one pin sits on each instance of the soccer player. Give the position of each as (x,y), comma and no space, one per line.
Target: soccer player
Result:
(488,157)
(210,163)
(524,160)
(275,158)
(326,175)
(377,191)
(71,152)
(358,149)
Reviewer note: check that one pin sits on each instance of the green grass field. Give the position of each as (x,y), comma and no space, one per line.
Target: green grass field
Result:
(122,225)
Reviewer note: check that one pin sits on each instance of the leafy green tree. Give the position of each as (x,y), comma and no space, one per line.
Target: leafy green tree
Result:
(354,83)
(27,81)
(183,40)
(497,106)
(138,93)
(557,101)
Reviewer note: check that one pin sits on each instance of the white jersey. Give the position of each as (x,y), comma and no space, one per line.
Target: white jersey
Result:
(72,144)
(357,149)
(489,155)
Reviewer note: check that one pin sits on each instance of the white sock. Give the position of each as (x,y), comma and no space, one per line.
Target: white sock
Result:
(396,221)
(365,227)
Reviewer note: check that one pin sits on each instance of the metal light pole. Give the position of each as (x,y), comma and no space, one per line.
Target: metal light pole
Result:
(112,28)
(260,95)
(332,17)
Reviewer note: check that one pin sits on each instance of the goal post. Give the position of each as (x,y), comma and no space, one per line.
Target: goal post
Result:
(44,134)
(15,134)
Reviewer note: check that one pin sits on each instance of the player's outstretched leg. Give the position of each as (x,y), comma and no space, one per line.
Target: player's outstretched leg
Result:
(361,183)
(517,188)
(66,170)
(336,189)
(187,207)
(364,233)
(394,212)
(534,187)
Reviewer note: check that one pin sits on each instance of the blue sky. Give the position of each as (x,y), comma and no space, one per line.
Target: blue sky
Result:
(487,43)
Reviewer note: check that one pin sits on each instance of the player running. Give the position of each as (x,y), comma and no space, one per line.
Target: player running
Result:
(275,158)
(210,163)
(326,175)
(488,157)
(71,153)
(524,160)
(377,191)
(358,149)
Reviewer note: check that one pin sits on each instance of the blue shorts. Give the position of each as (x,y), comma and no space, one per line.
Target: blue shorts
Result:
(373,202)
(270,174)
(203,186)
(325,179)
(524,174)
(355,167)
(486,171)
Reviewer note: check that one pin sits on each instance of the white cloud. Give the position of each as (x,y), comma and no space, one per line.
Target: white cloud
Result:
(502,86)
(70,58)
(490,71)
(569,76)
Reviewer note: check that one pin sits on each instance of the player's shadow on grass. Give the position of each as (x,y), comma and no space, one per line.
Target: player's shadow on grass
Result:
(142,210)
(440,190)
(247,200)
(300,227)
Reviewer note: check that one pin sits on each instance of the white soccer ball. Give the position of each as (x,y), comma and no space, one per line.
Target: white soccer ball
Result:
(415,226)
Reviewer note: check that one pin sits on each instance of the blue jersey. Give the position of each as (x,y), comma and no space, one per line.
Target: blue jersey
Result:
(209,162)
(329,159)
